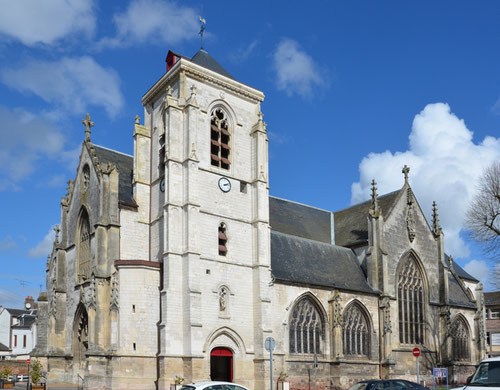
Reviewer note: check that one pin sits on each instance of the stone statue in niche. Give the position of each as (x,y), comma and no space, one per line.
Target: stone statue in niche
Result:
(410,216)
(85,178)
(223,299)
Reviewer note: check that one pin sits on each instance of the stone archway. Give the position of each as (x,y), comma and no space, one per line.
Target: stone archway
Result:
(80,335)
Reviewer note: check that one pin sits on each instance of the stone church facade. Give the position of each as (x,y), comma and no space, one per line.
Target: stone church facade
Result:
(176,261)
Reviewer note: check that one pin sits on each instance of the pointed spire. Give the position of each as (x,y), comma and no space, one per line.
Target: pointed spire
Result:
(88,124)
(57,230)
(405,171)
(374,209)
(436,229)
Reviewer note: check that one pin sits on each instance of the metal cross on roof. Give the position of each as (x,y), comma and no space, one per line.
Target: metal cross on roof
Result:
(88,124)
(203,22)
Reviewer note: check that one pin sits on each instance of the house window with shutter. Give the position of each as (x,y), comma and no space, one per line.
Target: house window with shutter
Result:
(222,240)
(220,137)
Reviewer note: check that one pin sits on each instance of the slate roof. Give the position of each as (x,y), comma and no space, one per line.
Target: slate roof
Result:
(492,298)
(25,322)
(125,165)
(300,260)
(300,220)
(351,224)
(458,297)
(204,59)
(459,270)
(17,312)
(4,348)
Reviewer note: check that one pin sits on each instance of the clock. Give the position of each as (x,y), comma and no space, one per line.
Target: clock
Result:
(162,185)
(224,184)
(28,305)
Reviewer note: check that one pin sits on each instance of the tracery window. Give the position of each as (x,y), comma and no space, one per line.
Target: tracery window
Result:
(460,340)
(306,328)
(355,332)
(222,240)
(220,136)
(84,247)
(410,287)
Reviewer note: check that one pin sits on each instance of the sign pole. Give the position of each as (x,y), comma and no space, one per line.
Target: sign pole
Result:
(271,376)
(416,353)
(270,344)
(316,372)
(418,373)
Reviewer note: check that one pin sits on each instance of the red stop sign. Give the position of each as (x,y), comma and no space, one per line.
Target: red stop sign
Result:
(28,361)
(416,352)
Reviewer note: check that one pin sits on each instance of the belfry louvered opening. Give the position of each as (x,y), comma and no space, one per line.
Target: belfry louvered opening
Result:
(222,240)
(220,137)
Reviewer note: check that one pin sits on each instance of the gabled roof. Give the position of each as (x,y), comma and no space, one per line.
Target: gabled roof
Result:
(204,59)
(17,312)
(458,297)
(299,260)
(4,348)
(125,165)
(25,322)
(459,270)
(351,224)
(300,220)
(492,298)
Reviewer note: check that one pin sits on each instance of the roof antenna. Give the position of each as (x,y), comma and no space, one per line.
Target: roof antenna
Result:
(203,22)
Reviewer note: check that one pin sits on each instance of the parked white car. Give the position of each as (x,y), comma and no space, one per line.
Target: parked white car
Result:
(486,377)
(213,386)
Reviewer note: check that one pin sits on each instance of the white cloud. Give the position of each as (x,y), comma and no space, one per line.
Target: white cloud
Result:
(445,163)
(73,83)
(35,21)
(7,244)
(480,270)
(296,72)
(44,247)
(26,139)
(157,21)
(243,53)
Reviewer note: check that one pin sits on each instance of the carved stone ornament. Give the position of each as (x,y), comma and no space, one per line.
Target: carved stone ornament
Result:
(52,302)
(446,315)
(385,305)
(410,216)
(85,179)
(223,299)
(114,303)
(336,310)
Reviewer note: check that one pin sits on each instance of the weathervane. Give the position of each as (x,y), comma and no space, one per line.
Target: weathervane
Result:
(203,22)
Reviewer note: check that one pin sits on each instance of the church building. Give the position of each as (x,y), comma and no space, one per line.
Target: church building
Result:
(177,263)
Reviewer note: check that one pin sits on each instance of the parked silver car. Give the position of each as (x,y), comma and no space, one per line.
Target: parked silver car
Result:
(213,386)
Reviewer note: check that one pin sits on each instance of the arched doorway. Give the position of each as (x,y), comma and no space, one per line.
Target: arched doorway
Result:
(221,364)
(80,335)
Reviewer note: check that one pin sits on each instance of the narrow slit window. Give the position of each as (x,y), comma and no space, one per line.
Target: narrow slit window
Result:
(222,240)
(220,137)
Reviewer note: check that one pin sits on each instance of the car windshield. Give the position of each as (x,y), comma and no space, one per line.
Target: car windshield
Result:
(487,374)
(360,386)
(187,387)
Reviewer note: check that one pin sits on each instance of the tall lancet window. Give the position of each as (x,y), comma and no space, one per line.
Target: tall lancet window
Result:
(306,328)
(220,137)
(355,332)
(460,340)
(410,289)
(83,247)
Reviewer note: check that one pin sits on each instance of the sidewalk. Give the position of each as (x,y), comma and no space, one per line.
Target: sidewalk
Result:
(59,386)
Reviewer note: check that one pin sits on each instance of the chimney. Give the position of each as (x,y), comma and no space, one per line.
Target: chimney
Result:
(171,59)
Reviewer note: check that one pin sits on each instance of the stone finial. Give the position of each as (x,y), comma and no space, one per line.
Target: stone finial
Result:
(193,90)
(261,116)
(57,230)
(88,124)
(406,171)
(169,90)
(374,209)
(48,261)
(451,262)
(137,120)
(436,229)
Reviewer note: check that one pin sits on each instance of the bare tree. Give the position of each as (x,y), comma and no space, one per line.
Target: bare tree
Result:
(483,216)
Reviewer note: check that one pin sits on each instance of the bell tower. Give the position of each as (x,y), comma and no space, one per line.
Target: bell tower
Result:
(209,219)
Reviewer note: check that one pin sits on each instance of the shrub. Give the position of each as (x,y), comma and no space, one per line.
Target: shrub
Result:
(36,371)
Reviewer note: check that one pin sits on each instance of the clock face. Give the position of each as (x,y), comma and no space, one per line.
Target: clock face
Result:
(28,306)
(162,185)
(224,184)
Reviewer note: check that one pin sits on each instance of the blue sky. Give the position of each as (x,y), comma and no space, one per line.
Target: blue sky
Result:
(354,90)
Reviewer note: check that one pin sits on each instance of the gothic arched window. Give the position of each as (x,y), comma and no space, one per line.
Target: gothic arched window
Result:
(306,328)
(220,137)
(355,332)
(460,340)
(410,290)
(83,246)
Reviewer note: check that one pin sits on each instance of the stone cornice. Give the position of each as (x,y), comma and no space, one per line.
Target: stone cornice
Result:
(203,74)
(137,264)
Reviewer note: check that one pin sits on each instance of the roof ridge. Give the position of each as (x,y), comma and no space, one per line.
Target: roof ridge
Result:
(301,204)
(367,201)
(112,150)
